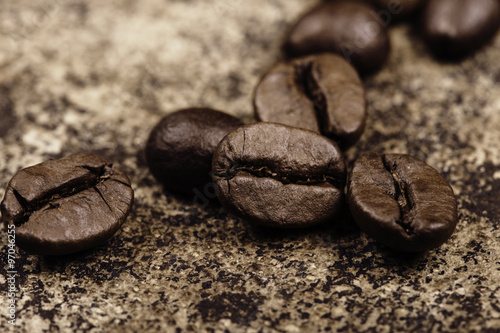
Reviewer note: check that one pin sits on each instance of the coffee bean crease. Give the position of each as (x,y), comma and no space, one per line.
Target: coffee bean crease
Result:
(306,82)
(401,196)
(73,187)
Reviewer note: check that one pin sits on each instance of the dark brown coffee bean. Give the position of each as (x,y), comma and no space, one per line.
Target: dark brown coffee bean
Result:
(348,27)
(394,10)
(279,176)
(180,147)
(401,201)
(455,28)
(321,93)
(67,205)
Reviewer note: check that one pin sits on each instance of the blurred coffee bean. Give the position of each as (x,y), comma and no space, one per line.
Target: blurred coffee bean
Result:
(350,28)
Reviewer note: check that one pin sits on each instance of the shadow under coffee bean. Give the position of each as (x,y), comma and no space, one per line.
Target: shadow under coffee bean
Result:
(401,201)
(279,176)
(68,205)
(321,93)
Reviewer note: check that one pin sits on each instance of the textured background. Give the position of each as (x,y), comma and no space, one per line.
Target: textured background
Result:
(96,76)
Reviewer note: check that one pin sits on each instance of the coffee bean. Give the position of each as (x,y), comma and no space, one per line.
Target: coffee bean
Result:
(180,147)
(454,28)
(348,27)
(393,10)
(321,93)
(67,205)
(401,201)
(279,176)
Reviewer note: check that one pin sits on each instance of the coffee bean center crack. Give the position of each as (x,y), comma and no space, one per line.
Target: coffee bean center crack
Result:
(266,172)
(100,174)
(402,197)
(310,88)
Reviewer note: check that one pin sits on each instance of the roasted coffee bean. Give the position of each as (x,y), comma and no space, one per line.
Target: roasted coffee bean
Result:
(455,28)
(393,10)
(180,147)
(321,93)
(279,176)
(401,201)
(67,205)
(348,27)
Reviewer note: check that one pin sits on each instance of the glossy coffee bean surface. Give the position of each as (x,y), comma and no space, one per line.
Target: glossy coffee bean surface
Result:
(279,176)
(350,28)
(321,93)
(455,28)
(180,147)
(401,201)
(67,205)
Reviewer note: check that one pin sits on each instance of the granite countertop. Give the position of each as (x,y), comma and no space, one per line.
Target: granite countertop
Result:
(96,76)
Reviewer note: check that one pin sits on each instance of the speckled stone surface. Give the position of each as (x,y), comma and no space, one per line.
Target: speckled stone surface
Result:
(96,76)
